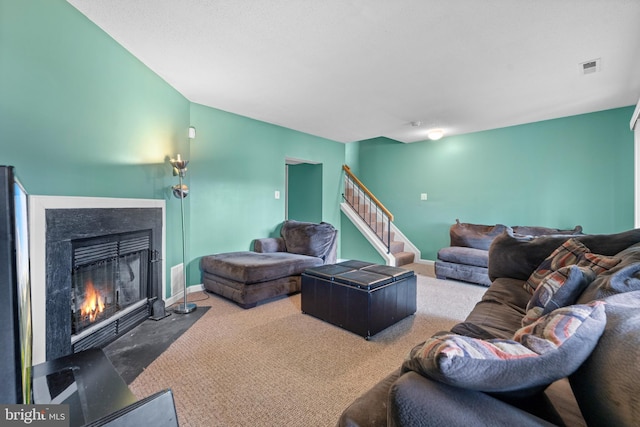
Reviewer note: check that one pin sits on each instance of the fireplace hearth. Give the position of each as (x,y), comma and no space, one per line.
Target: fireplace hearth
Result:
(102,267)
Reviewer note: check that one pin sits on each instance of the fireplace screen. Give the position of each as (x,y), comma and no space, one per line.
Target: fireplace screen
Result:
(109,274)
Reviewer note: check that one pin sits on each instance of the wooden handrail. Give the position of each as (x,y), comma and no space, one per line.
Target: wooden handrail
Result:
(367,192)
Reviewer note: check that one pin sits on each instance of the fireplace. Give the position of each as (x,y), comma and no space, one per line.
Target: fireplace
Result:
(109,274)
(99,272)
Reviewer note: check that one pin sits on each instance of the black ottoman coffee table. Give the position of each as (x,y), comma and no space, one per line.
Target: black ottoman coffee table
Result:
(360,297)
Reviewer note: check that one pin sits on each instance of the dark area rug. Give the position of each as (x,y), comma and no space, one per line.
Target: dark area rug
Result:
(133,352)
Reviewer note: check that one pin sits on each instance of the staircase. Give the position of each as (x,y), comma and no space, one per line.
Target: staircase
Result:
(376,223)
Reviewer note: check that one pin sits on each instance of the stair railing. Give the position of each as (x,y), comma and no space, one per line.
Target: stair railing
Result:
(368,207)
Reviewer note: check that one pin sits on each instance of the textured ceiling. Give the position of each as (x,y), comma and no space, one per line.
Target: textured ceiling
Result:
(351,70)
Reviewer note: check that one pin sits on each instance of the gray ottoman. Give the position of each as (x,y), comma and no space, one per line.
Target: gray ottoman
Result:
(251,277)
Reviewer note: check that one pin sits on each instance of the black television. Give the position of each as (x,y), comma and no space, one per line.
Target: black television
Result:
(16,337)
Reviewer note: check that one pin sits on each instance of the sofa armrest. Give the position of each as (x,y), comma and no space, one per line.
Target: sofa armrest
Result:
(269,244)
(331,256)
(370,409)
(475,236)
(417,401)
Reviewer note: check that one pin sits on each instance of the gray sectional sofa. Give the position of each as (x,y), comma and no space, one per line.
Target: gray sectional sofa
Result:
(467,256)
(586,343)
(274,267)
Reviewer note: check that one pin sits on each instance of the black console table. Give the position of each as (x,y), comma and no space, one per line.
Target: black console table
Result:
(86,381)
(96,394)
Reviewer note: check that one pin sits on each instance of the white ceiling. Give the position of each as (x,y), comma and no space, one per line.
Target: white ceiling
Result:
(351,70)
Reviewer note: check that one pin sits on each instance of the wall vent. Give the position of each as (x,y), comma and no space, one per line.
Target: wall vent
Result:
(177,280)
(589,67)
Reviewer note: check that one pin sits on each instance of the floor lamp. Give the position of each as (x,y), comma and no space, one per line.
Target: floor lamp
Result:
(181,191)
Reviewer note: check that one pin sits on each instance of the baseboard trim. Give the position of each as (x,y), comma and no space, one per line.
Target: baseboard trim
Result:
(190,289)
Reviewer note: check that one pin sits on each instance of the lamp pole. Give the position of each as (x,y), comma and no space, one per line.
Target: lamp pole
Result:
(181,192)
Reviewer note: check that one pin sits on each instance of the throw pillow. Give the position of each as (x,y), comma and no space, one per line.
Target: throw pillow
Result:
(566,254)
(551,348)
(558,289)
(598,263)
(571,252)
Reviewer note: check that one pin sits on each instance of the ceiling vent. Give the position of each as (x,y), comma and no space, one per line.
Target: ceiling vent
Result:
(590,67)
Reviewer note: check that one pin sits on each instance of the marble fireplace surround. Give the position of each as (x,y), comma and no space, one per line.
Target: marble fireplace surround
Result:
(141,213)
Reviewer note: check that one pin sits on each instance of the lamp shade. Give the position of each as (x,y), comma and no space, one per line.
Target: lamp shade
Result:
(180,191)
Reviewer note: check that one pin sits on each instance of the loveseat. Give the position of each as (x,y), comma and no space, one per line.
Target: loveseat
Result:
(275,265)
(581,335)
(467,256)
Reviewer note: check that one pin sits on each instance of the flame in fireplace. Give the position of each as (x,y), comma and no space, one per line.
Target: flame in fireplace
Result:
(93,303)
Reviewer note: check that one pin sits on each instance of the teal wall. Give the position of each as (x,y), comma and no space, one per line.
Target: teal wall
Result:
(79,115)
(352,156)
(304,192)
(354,245)
(236,166)
(555,173)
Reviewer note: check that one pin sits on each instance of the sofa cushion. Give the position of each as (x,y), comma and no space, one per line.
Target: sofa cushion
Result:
(464,272)
(253,267)
(558,289)
(462,255)
(501,308)
(417,401)
(549,349)
(306,238)
(517,257)
(472,330)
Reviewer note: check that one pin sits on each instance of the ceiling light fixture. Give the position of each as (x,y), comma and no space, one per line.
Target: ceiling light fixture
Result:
(435,134)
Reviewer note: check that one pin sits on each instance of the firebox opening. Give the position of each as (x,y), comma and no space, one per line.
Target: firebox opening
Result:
(110,273)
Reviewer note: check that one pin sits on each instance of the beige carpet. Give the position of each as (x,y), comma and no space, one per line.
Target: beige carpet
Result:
(274,366)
